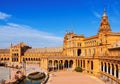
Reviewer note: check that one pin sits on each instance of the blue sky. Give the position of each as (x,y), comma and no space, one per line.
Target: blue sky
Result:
(43,23)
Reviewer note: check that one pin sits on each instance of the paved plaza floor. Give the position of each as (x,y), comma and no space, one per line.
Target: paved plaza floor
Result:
(68,77)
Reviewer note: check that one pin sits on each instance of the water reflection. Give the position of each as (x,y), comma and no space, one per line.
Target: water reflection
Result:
(27,81)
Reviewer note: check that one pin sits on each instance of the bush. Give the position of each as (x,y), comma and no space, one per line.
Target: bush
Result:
(78,69)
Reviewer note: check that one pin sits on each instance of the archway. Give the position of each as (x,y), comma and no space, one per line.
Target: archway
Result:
(105,68)
(112,69)
(70,63)
(78,52)
(101,66)
(50,63)
(91,65)
(61,64)
(66,64)
(117,74)
(83,63)
(55,65)
(50,66)
(108,68)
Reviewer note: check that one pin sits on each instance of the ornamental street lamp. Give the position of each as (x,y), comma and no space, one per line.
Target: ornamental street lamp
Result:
(24,67)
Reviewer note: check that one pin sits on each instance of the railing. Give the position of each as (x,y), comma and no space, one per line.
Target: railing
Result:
(110,76)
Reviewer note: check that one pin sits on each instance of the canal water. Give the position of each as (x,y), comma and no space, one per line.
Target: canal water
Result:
(5,75)
(27,81)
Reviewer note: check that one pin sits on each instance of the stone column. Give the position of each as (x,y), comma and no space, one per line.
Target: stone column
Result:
(58,65)
(114,72)
(68,64)
(107,70)
(103,68)
(110,71)
(119,74)
(79,63)
(62,65)
(75,62)
(100,68)
(53,65)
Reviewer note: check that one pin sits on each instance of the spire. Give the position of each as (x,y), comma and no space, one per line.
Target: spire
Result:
(71,26)
(104,25)
(104,14)
(10,44)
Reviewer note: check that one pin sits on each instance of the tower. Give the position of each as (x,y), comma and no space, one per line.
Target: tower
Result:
(104,25)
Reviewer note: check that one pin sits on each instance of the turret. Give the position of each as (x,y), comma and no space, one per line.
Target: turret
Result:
(104,25)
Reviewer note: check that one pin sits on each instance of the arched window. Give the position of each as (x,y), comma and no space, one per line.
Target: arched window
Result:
(91,65)
(79,52)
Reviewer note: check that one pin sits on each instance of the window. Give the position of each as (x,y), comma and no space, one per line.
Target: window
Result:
(79,52)
(91,65)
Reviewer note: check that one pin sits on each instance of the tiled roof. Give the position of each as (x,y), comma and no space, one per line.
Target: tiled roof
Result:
(43,50)
(4,51)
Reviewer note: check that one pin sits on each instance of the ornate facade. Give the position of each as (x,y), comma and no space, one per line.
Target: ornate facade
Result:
(98,55)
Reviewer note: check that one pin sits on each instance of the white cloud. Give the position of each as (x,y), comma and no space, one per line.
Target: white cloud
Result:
(16,33)
(96,14)
(4,16)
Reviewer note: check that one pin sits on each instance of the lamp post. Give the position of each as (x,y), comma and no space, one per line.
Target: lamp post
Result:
(10,72)
(24,67)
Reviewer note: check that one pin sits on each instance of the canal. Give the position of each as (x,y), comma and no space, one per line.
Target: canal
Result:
(27,81)
(5,75)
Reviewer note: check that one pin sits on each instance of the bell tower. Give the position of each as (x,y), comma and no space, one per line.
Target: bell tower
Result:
(104,25)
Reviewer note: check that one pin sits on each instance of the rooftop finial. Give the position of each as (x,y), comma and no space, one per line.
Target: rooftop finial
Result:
(104,14)
(71,28)
(66,32)
(11,44)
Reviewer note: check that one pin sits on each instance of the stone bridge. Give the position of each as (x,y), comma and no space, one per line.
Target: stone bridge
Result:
(33,68)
